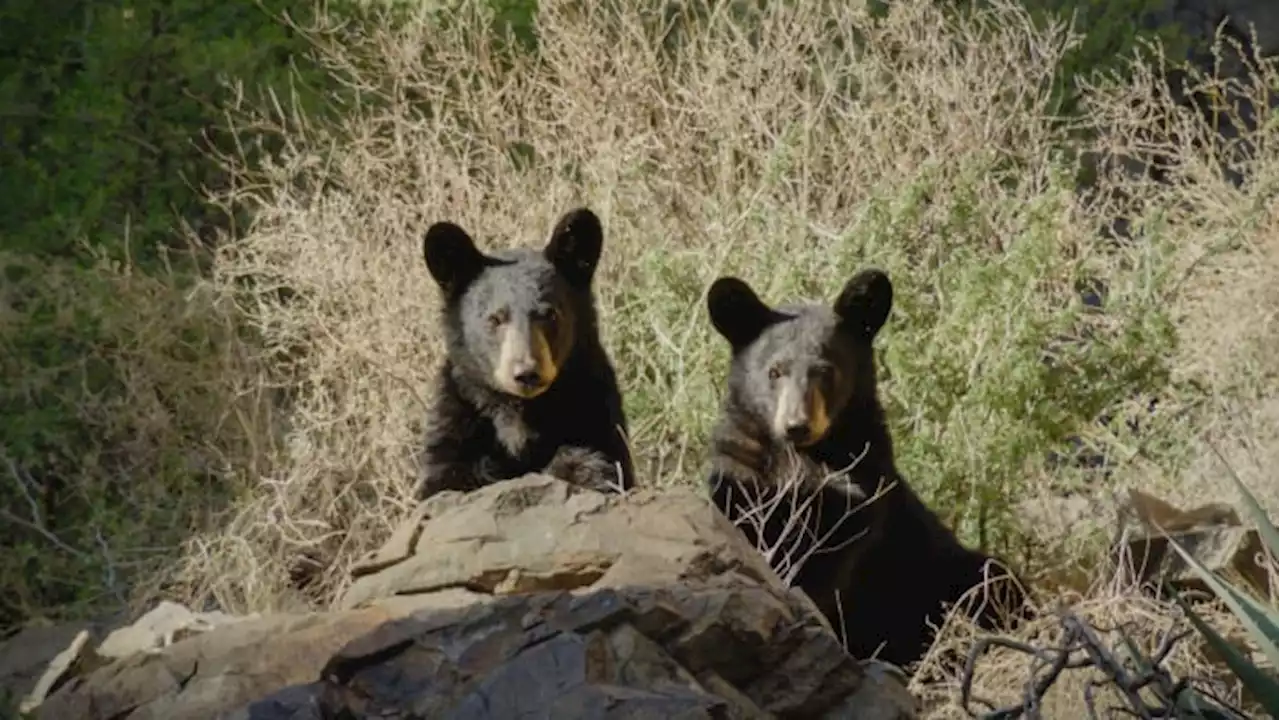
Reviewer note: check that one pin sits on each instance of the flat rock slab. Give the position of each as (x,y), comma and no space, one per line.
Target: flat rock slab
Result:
(539,533)
(1212,534)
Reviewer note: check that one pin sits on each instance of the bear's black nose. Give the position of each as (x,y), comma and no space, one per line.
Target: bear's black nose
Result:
(797,433)
(529,379)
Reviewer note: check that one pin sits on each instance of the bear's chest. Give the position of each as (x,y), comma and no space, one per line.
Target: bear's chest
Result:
(526,436)
(525,439)
(513,433)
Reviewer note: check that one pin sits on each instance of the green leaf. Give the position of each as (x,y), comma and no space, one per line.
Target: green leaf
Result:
(1259,621)
(1263,688)
(1270,535)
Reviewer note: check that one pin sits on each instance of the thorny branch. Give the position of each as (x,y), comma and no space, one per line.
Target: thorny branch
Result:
(1083,648)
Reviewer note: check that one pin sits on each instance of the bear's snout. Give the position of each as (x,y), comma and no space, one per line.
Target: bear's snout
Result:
(800,416)
(529,378)
(526,366)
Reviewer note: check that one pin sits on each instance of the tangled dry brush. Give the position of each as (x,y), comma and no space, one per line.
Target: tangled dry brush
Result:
(791,149)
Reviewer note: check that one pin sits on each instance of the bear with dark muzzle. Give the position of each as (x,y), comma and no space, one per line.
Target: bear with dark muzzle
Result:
(526,385)
(803,464)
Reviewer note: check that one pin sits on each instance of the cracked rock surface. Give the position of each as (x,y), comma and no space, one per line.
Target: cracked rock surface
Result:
(728,652)
(526,599)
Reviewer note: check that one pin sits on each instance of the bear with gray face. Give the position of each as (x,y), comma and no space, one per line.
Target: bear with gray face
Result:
(803,464)
(526,385)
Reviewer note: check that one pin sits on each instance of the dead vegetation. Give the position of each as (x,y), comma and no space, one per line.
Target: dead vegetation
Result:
(1078,660)
(790,148)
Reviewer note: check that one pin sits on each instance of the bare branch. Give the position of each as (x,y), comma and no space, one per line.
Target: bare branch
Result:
(1081,648)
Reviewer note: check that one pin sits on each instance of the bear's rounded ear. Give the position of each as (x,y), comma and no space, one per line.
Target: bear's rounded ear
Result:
(864,304)
(575,245)
(452,257)
(737,313)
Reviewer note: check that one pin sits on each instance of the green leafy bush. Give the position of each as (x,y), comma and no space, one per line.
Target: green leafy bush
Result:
(1111,33)
(109,116)
(120,413)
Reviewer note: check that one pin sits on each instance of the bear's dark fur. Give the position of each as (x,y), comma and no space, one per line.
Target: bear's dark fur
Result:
(526,385)
(801,407)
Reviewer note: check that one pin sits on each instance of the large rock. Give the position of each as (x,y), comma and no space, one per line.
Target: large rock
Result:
(528,598)
(538,533)
(210,673)
(741,651)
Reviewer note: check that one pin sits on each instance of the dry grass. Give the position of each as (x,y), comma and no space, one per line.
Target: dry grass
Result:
(791,152)
(1002,675)
(1224,255)
(1122,619)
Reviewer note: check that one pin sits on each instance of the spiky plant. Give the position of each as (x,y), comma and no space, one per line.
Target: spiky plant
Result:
(1259,619)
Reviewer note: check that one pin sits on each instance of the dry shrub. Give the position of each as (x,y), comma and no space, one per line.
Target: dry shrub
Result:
(1214,206)
(1111,607)
(1002,675)
(1220,240)
(791,147)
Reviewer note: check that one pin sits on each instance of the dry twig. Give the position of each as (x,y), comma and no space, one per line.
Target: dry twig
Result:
(1082,647)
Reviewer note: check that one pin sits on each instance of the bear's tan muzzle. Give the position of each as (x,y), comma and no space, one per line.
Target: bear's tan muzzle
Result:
(801,415)
(525,367)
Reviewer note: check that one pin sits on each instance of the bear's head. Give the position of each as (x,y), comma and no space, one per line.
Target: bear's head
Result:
(513,317)
(796,368)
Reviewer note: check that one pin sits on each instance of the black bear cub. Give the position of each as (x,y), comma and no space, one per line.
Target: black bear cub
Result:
(803,464)
(526,385)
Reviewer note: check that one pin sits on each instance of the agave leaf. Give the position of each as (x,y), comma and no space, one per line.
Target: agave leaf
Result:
(1270,534)
(1263,688)
(1258,620)
(1190,703)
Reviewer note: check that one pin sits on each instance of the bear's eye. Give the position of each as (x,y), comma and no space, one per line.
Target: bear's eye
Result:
(550,315)
(775,372)
(497,319)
